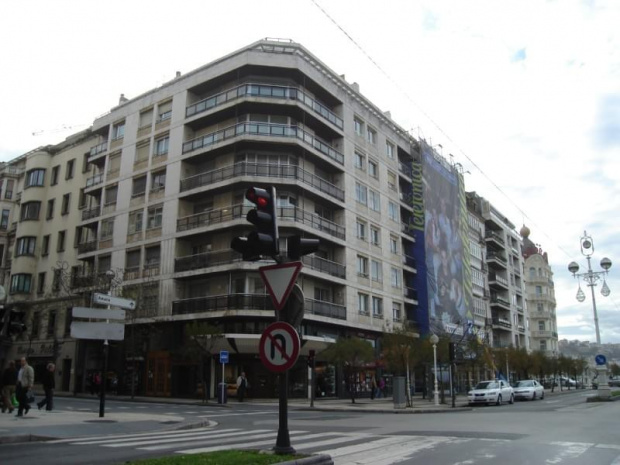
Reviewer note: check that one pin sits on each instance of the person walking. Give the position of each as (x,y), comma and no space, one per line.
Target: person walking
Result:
(25,381)
(8,381)
(373,388)
(49,384)
(242,385)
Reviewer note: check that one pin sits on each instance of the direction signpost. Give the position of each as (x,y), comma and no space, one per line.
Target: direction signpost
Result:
(223,361)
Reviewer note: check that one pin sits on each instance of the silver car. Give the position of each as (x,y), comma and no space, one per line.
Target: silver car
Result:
(491,392)
(529,389)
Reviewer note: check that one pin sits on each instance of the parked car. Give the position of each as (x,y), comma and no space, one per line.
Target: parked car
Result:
(529,389)
(614,381)
(491,392)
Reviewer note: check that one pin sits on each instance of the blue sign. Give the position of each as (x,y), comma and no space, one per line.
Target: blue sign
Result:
(223,356)
(600,359)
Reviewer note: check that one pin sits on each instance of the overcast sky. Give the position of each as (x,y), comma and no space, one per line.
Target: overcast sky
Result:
(524,94)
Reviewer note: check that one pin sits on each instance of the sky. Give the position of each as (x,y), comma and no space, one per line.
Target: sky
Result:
(525,95)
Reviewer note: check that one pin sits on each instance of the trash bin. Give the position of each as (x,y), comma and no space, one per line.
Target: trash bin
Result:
(398,394)
(222,395)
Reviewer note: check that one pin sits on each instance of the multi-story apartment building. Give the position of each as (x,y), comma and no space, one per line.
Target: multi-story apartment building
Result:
(540,297)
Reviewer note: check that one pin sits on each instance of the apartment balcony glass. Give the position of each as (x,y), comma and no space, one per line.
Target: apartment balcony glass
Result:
(322,308)
(262,169)
(205,260)
(264,129)
(94,180)
(502,323)
(498,300)
(91,213)
(493,255)
(325,266)
(405,169)
(97,150)
(490,234)
(265,91)
(86,247)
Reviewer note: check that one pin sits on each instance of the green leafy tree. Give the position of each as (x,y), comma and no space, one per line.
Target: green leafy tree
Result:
(202,338)
(614,368)
(351,354)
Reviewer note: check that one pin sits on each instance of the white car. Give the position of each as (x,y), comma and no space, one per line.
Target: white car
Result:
(529,389)
(491,392)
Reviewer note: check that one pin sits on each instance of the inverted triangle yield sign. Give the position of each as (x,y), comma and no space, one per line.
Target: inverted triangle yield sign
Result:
(280,280)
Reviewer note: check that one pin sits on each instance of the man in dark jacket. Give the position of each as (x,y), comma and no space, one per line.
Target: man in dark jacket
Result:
(49,384)
(8,380)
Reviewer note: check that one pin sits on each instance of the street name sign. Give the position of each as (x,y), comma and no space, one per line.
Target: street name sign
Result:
(105,299)
(223,356)
(279,280)
(279,347)
(100,330)
(98,313)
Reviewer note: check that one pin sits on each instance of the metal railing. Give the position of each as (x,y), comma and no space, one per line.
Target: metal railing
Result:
(492,255)
(263,129)
(322,308)
(406,170)
(502,322)
(91,213)
(205,260)
(325,266)
(490,234)
(86,247)
(97,149)
(94,180)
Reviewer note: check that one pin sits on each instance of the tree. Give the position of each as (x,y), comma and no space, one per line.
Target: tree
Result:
(615,369)
(201,340)
(351,354)
(402,351)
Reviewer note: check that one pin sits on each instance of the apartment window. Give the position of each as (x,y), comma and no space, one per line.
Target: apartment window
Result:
(41,283)
(389,149)
(36,318)
(543,345)
(142,152)
(118,130)
(51,323)
(20,283)
(49,214)
(362,266)
(30,211)
(539,291)
(155,217)
(391,181)
(164,111)
(66,200)
(70,169)
(62,236)
(35,178)
(85,164)
(139,186)
(359,160)
(161,146)
(361,229)
(371,135)
(377,306)
(8,193)
(361,193)
(375,236)
(374,201)
(82,199)
(110,195)
(45,246)
(25,246)
(158,180)
(136,219)
(68,320)
(540,307)
(152,255)
(373,169)
(77,237)
(376,273)
(395,277)
(541,325)
(146,118)
(55,173)
(532,272)
(362,303)
(393,211)
(393,244)
(358,125)
(4,222)
(396,311)
(107,228)
(132,259)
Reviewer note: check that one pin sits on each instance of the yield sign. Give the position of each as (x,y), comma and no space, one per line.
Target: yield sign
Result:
(279,280)
(279,346)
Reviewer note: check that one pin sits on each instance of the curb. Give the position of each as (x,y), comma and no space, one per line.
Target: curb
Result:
(172,401)
(386,411)
(322,459)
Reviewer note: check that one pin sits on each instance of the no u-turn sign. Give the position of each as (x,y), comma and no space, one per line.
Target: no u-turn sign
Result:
(279,347)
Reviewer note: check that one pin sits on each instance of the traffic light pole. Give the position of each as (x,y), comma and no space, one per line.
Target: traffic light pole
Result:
(283,442)
(312,382)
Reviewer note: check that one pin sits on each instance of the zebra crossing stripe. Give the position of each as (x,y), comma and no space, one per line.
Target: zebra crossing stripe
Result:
(227,439)
(332,441)
(248,444)
(272,412)
(122,436)
(130,440)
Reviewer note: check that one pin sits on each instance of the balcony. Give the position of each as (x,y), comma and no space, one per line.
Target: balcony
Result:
(268,92)
(79,281)
(544,334)
(322,308)
(494,235)
(497,300)
(409,261)
(205,260)
(410,293)
(263,129)
(97,150)
(498,281)
(404,169)
(94,180)
(86,247)
(262,169)
(325,266)
(91,213)
(502,323)
(497,257)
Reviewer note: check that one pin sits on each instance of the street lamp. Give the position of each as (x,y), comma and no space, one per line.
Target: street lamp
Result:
(434,340)
(591,277)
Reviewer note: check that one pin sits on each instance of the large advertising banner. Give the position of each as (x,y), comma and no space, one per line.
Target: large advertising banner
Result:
(444,280)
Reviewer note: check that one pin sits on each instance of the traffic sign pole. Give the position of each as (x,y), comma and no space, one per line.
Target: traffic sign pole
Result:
(283,441)
(223,361)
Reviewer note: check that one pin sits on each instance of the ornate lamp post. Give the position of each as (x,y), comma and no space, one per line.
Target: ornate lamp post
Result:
(434,340)
(591,277)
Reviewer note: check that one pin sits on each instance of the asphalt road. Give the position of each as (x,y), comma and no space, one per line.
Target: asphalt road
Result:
(561,429)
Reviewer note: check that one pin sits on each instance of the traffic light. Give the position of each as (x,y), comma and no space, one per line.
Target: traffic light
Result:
(16,322)
(264,240)
(311,354)
(299,246)
(452,351)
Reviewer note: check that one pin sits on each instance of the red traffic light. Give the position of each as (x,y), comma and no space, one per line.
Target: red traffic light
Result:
(259,196)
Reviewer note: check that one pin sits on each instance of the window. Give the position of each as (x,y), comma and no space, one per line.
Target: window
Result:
(373,169)
(118,130)
(361,193)
(393,244)
(51,323)
(374,201)
(4,222)
(532,272)
(136,219)
(152,255)
(393,211)
(376,272)
(161,146)
(358,125)
(164,111)
(62,235)
(538,291)
(41,283)
(146,118)
(540,307)
(85,164)
(389,149)
(45,246)
(30,211)
(55,173)
(132,259)
(36,317)
(361,229)
(142,152)
(49,214)
(66,200)
(107,229)
(35,177)
(139,186)
(396,311)
(391,181)
(155,217)
(110,195)
(158,180)
(362,303)
(68,320)
(395,277)
(82,199)
(359,160)
(362,266)
(377,306)
(543,345)
(371,135)
(375,236)
(8,193)
(541,325)
(20,284)
(70,169)
(25,246)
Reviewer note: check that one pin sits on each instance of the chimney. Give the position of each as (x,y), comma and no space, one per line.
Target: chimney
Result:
(388,114)
(178,75)
(122,99)
(356,87)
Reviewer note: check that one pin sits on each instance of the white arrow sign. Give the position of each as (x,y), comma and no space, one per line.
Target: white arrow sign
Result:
(102,331)
(105,299)
(279,280)
(98,313)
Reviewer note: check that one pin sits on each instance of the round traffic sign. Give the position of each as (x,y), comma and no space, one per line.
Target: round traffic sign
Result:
(600,359)
(279,347)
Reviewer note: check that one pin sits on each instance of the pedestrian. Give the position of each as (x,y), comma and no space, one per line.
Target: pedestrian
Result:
(373,388)
(242,385)
(49,384)
(25,381)
(97,382)
(8,381)
(380,388)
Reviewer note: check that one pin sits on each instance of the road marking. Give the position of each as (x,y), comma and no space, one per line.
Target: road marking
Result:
(270,412)
(219,438)
(230,440)
(120,436)
(158,437)
(247,444)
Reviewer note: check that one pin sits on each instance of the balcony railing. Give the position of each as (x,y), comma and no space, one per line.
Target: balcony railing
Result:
(94,180)
(492,255)
(205,260)
(91,213)
(262,169)
(502,322)
(498,279)
(544,334)
(410,293)
(322,308)
(325,266)
(405,169)
(263,129)
(86,247)
(264,91)
(238,211)
(495,299)
(97,149)
(490,234)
